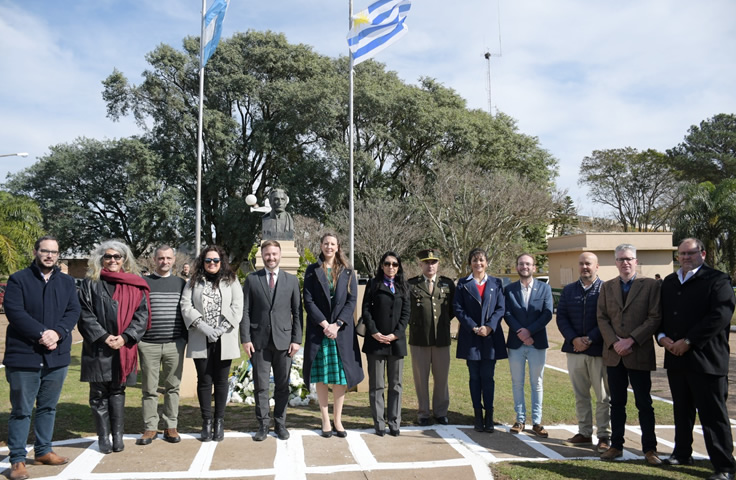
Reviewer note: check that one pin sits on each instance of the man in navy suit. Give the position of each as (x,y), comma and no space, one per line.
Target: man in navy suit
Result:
(528,311)
(697,305)
(271,334)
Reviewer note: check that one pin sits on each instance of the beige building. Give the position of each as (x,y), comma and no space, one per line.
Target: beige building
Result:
(653,250)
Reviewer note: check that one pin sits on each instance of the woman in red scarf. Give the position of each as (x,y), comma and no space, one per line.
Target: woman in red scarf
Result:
(115,315)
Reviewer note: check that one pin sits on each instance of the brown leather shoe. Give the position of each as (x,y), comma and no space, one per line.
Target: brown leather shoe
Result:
(604,443)
(147,437)
(612,453)
(518,427)
(171,435)
(51,459)
(540,431)
(652,458)
(18,471)
(578,439)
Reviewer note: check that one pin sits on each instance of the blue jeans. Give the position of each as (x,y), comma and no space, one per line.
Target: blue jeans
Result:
(482,383)
(41,386)
(518,358)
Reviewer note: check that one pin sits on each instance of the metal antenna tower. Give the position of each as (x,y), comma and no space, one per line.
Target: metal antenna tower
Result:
(488,56)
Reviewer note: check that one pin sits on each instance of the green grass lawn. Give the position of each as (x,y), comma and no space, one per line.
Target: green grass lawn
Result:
(74,419)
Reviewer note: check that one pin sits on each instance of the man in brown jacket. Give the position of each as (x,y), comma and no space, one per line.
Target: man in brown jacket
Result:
(628,316)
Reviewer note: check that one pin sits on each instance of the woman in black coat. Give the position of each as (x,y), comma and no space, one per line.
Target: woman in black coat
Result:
(331,353)
(115,315)
(385,315)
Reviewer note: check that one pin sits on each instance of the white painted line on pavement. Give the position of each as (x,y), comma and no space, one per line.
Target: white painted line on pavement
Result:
(288,463)
(360,451)
(478,456)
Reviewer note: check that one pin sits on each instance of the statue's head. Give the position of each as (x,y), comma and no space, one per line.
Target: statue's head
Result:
(278,200)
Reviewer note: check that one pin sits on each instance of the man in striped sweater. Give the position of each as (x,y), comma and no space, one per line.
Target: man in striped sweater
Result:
(161,351)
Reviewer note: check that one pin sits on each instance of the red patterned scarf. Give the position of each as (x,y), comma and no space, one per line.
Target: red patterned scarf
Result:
(128,291)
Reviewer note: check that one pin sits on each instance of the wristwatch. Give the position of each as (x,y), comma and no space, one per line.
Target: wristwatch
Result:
(687,341)
(340,323)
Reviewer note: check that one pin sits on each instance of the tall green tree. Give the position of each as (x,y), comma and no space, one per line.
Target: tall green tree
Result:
(92,190)
(708,152)
(267,105)
(709,213)
(20,227)
(641,187)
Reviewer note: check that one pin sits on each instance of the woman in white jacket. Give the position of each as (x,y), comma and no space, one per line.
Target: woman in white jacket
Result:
(212,306)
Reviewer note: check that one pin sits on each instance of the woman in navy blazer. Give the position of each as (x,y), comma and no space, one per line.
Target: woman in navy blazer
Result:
(331,351)
(479,307)
(386,314)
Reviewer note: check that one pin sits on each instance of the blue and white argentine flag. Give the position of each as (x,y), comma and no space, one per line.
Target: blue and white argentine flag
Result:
(377,27)
(213,27)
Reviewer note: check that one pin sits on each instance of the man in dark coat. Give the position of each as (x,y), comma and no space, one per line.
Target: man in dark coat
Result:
(697,305)
(576,320)
(271,334)
(432,297)
(42,308)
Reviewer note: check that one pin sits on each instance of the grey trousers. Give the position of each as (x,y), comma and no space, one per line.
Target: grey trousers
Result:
(263,360)
(393,367)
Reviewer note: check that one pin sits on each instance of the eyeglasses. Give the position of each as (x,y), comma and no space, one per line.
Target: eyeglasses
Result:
(626,259)
(391,264)
(212,260)
(116,257)
(53,253)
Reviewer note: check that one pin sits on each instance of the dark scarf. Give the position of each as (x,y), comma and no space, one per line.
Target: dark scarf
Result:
(128,291)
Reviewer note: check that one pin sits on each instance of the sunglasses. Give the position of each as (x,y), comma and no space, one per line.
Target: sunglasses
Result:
(391,264)
(108,256)
(212,260)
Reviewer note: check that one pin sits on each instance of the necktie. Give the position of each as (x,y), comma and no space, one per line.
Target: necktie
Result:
(430,286)
(270,280)
(391,286)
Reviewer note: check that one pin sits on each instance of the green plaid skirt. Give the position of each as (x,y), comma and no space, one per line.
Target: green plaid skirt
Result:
(327,366)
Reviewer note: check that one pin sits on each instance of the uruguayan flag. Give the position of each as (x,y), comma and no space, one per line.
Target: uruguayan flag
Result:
(213,27)
(377,27)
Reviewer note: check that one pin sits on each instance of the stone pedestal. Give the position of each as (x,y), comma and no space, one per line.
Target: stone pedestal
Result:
(289,257)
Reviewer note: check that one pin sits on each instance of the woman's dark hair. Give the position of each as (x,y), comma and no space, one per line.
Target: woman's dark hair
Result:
(340,261)
(399,281)
(200,274)
(477,252)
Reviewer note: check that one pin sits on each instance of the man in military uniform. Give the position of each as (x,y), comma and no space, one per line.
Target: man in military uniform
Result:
(429,336)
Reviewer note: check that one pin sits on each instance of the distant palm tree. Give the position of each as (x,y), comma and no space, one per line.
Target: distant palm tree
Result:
(20,226)
(709,213)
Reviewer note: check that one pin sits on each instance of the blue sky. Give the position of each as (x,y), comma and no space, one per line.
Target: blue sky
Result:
(581,75)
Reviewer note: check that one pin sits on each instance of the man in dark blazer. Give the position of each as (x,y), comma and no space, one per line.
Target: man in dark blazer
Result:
(432,297)
(697,305)
(528,311)
(628,317)
(271,334)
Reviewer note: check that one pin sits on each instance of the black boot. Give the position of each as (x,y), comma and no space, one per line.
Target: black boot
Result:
(102,422)
(117,421)
(489,421)
(218,431)
(478,427)
(206,434)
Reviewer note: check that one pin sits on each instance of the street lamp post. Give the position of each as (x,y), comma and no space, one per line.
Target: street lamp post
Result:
(24,154)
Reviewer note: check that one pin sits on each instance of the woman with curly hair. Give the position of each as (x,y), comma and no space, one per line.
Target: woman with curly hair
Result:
(331,352)
(385,315)
(115,315)
(212,306)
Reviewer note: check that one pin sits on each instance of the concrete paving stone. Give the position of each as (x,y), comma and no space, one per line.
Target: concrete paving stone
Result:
(343,476)
(319,451)
(242,452)
(159,456)
(36,471)
(423,446)
(502,444)
(440,473)
(556,439)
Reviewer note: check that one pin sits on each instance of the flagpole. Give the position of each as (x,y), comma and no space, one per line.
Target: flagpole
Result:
(351,141)
(198,216)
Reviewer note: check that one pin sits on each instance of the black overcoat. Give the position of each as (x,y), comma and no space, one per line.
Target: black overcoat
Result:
(319,307)
(387,313)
